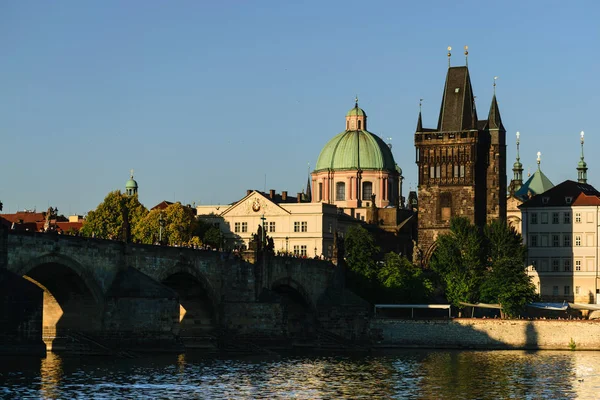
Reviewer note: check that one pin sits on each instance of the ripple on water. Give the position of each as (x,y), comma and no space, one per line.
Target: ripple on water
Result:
(401,374)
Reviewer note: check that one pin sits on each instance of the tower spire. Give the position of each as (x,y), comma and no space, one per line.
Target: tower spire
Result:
(467,56)
(517,180)
(539,159)
(582,165)
(420,121)
(449,55)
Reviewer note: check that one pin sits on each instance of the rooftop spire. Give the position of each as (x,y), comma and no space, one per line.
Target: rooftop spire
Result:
(467,56)
(494,119)
(308,189)
(420,121)
(582,165)
(517,180)
(449,55)
(539,159)
(356,101)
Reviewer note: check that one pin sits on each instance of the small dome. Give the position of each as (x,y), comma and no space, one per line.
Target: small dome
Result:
(399,170)
(356,150)
(356,111)
(517,165)
(581,164)
(131,184)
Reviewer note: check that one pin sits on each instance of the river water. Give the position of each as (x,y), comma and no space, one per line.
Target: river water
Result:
(410,374)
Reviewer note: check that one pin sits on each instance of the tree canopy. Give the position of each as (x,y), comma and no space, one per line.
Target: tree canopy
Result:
(483,266)
(178,226)
(106,221)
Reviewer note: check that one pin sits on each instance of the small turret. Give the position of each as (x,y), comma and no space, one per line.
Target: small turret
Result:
(582,166)
(517,180)
(131,186)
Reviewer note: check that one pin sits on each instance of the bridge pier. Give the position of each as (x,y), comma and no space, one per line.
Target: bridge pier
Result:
(21,304)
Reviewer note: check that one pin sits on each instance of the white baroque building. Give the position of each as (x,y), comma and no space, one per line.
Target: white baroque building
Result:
(561,230)
(296,225)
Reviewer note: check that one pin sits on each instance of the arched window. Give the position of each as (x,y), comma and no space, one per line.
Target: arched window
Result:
(367,190)
(340,191)
(347,125)
(359,124)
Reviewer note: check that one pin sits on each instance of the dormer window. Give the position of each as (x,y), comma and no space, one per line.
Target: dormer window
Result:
(568,199)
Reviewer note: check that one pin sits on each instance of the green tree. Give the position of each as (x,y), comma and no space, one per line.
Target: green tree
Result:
(179,224)
(459,259)
(106,221)
(213,237)
(402,281)
(361,251)
(506,281)
(360,256)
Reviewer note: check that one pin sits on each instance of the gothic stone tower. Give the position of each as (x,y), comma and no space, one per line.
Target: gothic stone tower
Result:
(462,163)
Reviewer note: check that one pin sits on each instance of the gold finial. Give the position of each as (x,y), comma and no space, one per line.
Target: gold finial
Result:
(539,158)
(449,54)
(131,173)
(356,101)
(582,137)
(467,55)
(495,78)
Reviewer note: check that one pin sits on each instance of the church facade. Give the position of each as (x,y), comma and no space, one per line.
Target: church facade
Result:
(461,163)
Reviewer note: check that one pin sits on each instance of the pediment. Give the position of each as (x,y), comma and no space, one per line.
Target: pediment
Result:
(254,204)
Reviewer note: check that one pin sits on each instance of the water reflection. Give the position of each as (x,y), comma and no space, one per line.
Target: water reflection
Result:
(401,375)
(51,374)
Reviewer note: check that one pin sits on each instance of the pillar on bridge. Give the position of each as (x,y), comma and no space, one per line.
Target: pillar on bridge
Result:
(21,305)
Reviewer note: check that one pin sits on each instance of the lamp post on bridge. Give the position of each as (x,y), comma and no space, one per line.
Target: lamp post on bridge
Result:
(286,245)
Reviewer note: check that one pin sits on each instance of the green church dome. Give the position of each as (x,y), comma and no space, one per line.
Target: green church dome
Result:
(131,184)
(356,111)
(356,150)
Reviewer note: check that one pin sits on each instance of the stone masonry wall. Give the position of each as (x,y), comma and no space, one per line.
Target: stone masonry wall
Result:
(486,334)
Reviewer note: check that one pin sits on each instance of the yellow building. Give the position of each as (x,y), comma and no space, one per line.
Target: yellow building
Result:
(298,227)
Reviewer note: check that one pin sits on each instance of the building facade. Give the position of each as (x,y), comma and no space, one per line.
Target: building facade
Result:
(461,163)
(304,229)
(561,230)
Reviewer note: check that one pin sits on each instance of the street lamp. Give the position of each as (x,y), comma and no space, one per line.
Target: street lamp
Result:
(315,251)
(286,244)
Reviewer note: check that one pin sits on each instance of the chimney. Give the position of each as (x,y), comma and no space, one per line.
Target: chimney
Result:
(299,197)
(284,195)
(248,192)
(272,193)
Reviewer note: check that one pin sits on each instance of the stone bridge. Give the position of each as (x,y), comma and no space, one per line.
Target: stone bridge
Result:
(146,297)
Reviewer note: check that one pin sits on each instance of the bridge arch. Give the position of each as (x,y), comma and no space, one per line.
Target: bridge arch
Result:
(297,287)
(73,302)
(52,258)
(198,305)
(299,313)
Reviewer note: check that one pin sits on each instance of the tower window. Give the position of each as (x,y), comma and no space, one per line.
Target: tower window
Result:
(320,191)
(367,190)
(340,191)
(445,206)
(359,124)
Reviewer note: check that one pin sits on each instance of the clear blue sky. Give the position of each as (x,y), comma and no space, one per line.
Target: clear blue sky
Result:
(203,98)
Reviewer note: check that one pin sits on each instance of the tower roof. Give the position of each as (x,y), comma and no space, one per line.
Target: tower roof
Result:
(536,184)
(494,119)
(457,112)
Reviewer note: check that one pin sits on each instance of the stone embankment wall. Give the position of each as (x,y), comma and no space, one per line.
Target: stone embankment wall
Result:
(487,334)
